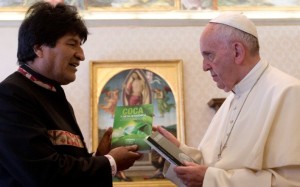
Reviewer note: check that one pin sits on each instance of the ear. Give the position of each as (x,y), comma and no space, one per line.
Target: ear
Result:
(240,52)
(38,50)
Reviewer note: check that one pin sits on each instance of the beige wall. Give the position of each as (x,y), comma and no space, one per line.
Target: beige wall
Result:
(280,44)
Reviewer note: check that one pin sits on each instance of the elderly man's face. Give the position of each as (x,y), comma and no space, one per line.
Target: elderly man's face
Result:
(218,58)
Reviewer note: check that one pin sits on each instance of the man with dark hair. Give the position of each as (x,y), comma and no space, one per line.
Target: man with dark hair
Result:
(40,141)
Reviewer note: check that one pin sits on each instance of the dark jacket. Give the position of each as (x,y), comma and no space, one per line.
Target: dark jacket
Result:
(40,141)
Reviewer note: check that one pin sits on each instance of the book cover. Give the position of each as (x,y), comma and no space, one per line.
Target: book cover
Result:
(132,124)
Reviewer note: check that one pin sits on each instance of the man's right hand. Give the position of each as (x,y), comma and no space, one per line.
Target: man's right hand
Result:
(125,156)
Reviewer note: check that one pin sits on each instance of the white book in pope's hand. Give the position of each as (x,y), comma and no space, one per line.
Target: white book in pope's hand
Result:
(167,149)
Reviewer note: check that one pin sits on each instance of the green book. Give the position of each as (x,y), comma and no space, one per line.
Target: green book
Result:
(131,125)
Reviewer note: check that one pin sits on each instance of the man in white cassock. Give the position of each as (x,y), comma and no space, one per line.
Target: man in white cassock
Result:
(254,138)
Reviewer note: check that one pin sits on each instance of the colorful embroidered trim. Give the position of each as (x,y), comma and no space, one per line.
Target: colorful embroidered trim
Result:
(60,137)
(35,80)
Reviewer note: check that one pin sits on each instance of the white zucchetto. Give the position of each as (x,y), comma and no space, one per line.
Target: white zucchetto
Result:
(238,21)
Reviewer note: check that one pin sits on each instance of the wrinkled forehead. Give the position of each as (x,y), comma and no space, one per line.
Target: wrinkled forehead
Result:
(209,30)
(209,33)
(212,39)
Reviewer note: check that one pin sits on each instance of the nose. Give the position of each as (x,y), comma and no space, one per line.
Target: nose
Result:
(80,54)
(206,66)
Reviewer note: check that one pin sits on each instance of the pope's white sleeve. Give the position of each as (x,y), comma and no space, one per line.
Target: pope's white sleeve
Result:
(194,153)
(215,177)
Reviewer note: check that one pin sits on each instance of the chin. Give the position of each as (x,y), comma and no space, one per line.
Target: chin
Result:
(222,87)
(67,81)
(226,90)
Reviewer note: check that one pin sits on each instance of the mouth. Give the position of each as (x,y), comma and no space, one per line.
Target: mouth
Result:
(215,77)
(212,74)
(74,64)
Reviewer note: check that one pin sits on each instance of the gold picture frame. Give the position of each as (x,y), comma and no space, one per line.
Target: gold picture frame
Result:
(135,5)
(23,5)
(257,5)
(106,79)
(95,5)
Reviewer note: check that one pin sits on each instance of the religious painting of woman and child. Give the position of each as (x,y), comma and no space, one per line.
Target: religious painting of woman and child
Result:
(136,87)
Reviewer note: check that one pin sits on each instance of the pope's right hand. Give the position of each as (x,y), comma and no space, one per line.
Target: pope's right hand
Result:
(168,135)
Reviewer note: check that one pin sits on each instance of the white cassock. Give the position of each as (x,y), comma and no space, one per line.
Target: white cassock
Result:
(263,148)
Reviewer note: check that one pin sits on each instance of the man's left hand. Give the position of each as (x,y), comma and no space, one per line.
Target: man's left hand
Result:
(104,145)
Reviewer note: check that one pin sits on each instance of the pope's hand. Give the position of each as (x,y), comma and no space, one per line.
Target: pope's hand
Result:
(192,175)
(168,135)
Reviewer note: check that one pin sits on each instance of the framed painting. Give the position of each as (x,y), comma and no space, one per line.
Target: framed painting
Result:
(259,5)
(22,5)
(13,5)
(133,5)
(99,5)
(110,82)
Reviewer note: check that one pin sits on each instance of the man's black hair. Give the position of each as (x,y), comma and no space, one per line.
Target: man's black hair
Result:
(44,24)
